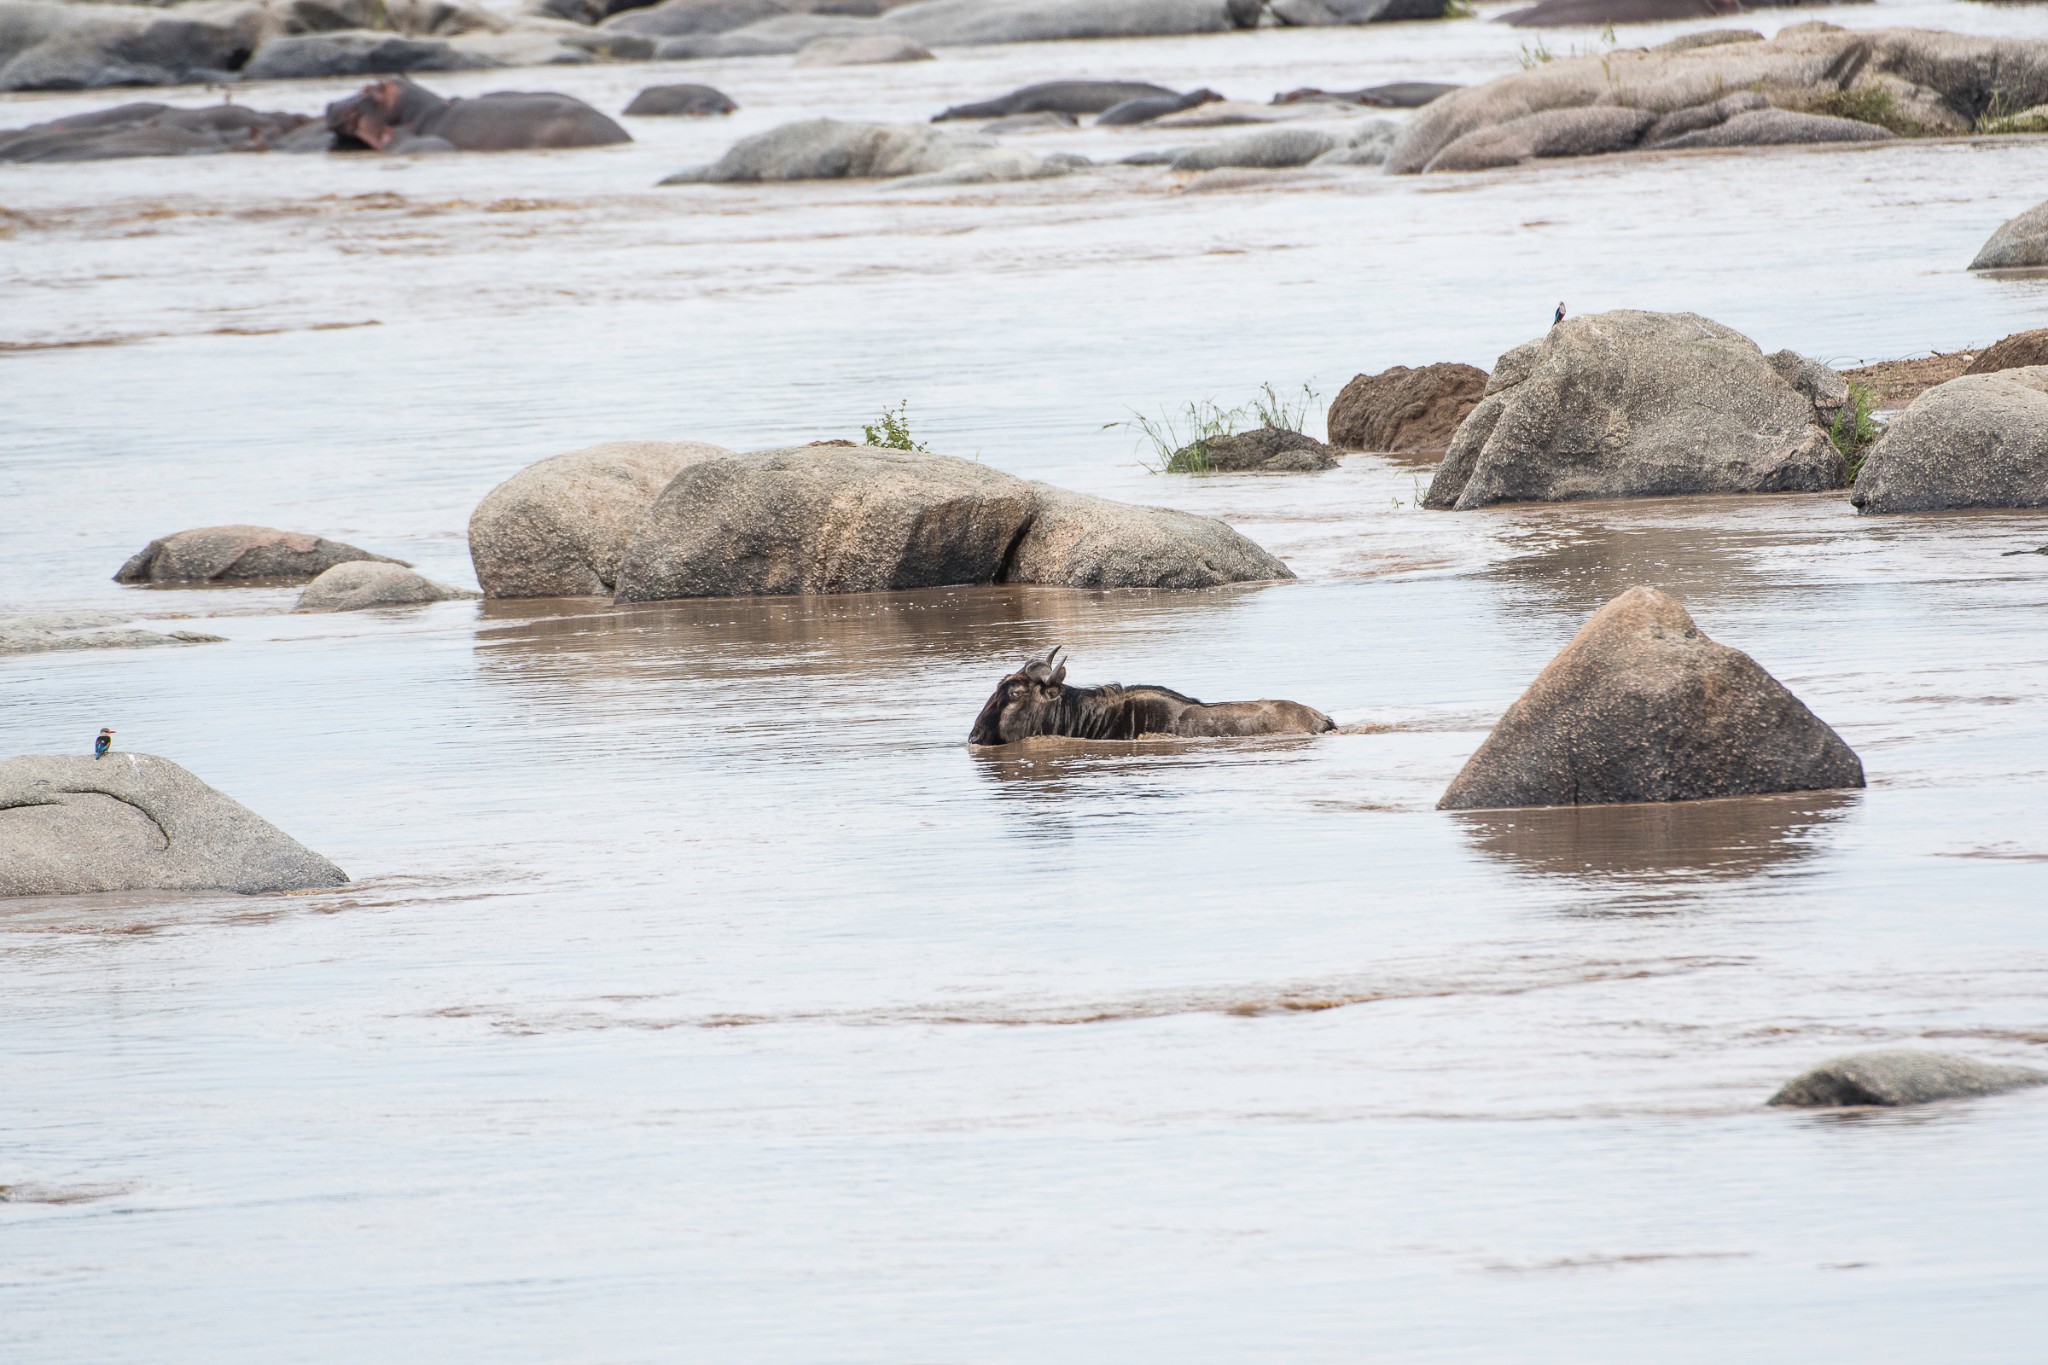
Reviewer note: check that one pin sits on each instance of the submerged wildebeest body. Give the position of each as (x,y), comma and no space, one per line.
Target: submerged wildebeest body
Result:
(1056,97)
(1035,700)
(397,116)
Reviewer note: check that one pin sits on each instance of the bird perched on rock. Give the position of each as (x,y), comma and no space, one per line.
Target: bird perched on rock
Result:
(1560,315)
(103,743)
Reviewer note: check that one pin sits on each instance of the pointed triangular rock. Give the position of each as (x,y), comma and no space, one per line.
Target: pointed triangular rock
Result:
(1641,706)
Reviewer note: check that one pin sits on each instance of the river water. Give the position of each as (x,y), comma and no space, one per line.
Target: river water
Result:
(701,996)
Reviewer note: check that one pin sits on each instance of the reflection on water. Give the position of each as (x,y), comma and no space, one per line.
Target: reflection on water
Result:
(1685,841)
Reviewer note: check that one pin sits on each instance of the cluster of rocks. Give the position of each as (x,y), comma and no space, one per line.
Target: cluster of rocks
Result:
(392,115)
(644,521)
(1810,83)
(338,576)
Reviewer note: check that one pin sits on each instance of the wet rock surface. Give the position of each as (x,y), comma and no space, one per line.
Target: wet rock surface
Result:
(843,518)
(73,825)
(1642,706)
(559,527)
(1897,1076)
(234,554)
(359,585)
(1271,450)
(1977,441)
(1635,404)
(1271,148)
(1404,410)
(65,631)
(313,55)
(874,49)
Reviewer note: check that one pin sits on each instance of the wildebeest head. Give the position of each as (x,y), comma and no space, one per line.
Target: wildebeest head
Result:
(1024,704)
(374,114)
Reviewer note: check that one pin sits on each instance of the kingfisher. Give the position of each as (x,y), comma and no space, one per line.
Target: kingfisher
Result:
(1560,314)
(103,743)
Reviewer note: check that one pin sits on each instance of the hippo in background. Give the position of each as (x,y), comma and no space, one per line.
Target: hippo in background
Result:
(146,129)
(395,115)
(1057,97)
(1148,107)
(1035,700)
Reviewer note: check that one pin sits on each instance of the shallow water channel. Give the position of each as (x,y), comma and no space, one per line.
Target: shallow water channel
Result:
(702,996)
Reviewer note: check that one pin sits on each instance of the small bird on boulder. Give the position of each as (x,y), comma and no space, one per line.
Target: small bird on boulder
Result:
(103,743)
(1560,315)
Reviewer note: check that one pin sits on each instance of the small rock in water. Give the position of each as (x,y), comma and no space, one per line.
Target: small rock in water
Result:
(2042,551)
(1642,706)
(1901,1076)
(874,49)
(361,584)
(1268,450)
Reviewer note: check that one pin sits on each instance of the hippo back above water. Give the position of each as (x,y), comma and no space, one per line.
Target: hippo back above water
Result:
(396,115)
(1035,700)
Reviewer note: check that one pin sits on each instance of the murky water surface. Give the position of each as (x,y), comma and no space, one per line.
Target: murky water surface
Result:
(701,996)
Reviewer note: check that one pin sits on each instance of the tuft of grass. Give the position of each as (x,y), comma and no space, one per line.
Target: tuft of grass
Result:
(892,432)
(1177,442)
(1533,57)
(1866,104)
(1458,9)
(1855,428)
(2006,113)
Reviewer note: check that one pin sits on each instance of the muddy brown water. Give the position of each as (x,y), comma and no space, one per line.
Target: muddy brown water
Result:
(702,995)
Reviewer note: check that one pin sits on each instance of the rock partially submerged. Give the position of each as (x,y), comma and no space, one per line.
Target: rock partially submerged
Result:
(1896,1076)
(2019,243)
(315,55)
(685,101)
(73,825)
(840,518)
(361,584)
(1267,450)
(558,528)
(1632,404)
(67,631)
(1642,706)
(828,149)
(1403,410)
(1396,95)
(1796,87)
(83,47)
(1977,441)
(239,554)
(967,23)
(1596,13)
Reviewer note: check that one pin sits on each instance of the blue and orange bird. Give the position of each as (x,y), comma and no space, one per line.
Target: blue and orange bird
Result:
(1560,316)
(103,743)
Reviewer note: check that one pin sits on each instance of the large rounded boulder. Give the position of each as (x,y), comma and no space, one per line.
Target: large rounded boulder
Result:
(843,518)
(1642,706)
(239,554)
(558,528)
(1977,441)
(1631,404)
(2019,243)
(73,824)
(1078,541)
(1895,1076)
(1403,410)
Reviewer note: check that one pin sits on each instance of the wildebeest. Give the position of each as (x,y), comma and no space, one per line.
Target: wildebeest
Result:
(1035,700)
